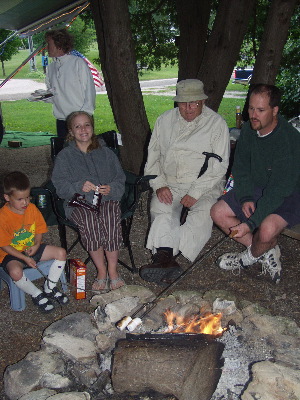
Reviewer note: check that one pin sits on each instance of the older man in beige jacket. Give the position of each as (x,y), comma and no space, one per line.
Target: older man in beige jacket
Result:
(175,156)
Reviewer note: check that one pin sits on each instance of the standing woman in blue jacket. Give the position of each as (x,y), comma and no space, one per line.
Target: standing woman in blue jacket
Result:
(87,167)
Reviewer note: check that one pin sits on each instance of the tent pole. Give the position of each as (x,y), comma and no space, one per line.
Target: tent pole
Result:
(8,38)
(20,66)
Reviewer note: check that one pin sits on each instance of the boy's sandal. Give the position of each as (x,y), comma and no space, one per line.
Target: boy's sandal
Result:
(116,283)
(44,307)
(100,286)
(55,294)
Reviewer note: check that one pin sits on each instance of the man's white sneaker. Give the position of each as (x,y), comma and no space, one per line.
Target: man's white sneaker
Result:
(271,263)
(230,261)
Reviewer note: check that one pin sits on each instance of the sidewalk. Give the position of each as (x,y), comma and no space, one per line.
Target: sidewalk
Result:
(18,89)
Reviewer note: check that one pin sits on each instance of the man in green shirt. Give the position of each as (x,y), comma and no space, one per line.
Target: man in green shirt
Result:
(265,197)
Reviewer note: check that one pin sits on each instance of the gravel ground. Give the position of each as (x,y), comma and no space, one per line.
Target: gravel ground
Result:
(21,331)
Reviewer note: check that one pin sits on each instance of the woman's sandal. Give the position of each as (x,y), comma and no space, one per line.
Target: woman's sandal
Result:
(116,283)
(44,307)
(100,285)
(55,294)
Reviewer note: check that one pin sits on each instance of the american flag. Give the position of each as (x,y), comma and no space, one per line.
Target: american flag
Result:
(98,80)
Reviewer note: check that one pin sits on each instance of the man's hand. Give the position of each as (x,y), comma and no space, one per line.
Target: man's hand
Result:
(188,201)
(240,230)
(164,195)
(248,208)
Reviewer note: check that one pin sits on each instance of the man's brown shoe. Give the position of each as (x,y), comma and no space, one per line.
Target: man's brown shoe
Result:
(163,263)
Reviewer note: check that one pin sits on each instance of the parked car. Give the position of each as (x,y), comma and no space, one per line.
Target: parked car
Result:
(242,75)
(296,122)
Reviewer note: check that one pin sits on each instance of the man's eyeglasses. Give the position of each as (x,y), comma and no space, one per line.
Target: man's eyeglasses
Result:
(190,104)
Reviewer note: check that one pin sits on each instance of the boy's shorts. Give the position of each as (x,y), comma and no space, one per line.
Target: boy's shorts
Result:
(289,210)
(36,257)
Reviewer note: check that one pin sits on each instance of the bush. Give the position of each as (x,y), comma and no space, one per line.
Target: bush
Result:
(289,82)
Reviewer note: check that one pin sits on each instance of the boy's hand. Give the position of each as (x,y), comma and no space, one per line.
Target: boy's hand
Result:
(30,262)
(32,250)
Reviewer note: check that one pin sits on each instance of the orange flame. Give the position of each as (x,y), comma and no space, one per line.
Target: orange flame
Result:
(209,324)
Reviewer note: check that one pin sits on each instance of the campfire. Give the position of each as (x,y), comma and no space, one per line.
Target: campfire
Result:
(205,323)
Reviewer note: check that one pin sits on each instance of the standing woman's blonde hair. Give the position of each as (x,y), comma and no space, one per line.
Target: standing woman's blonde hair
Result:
(95,142)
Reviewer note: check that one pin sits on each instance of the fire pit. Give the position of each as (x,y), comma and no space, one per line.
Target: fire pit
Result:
(83,353)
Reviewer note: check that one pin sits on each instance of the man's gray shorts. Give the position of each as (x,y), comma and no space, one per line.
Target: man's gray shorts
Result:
(289,209)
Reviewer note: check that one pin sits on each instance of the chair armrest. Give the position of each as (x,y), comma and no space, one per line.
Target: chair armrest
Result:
(57,203)
(135,185)
(42,198)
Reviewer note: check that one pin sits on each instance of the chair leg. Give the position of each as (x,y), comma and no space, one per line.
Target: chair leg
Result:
(63,281)
(63,238)
(126,227)
(62,235)
(17,296)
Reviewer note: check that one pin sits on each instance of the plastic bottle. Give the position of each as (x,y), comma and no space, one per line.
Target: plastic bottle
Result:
(238,117)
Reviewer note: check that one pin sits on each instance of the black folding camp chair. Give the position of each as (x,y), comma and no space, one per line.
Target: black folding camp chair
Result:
(134,186)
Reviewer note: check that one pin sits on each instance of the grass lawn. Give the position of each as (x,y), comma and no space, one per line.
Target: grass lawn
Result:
(22,115)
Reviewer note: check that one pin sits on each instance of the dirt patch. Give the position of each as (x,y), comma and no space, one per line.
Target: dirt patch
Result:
(21,332)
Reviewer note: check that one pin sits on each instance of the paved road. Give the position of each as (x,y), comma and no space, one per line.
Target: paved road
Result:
(17,89)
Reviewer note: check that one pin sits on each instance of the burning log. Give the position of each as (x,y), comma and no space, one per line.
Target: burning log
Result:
(184,365)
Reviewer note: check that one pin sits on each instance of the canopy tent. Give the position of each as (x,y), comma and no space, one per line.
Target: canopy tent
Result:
(27,17)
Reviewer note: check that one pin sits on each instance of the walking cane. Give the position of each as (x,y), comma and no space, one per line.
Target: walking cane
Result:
(185,210)
(130,322)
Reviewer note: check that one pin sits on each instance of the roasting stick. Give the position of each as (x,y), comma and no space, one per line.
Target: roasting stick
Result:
(130,322)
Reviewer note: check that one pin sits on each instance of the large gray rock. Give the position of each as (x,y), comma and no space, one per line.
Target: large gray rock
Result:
(76,349)
(26,375)
(71,396)
(266,325)
(45,394)
(141,292)
(55,381)
(78,325)
(74,336)
(42,394)
(272,381)
(118,308)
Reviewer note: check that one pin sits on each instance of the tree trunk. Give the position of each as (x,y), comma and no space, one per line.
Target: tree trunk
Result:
(223,48)
(271,48)
(188,369)
(118,63)
(193,18)
(3,68)
(273,40)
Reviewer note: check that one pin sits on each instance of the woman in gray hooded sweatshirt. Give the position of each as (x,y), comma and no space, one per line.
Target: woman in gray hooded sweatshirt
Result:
(90,169)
